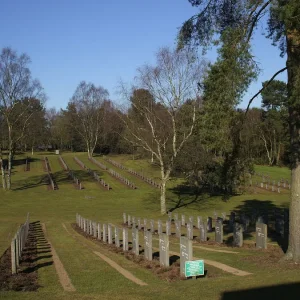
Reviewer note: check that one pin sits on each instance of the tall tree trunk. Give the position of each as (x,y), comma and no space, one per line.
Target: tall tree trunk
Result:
(163,208)
(2,171)
(293,64)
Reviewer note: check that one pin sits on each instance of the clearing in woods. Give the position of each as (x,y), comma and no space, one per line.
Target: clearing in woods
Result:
(92,277)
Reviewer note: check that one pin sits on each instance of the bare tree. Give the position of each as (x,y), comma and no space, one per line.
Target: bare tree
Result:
(163,108)
(16,85)
(88,100)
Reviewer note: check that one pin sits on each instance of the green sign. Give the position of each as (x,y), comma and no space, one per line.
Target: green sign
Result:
(194,268)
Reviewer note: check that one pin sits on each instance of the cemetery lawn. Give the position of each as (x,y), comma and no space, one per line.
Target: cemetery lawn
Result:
(92,277)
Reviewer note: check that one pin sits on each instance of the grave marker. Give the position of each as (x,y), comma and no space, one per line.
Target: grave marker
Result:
(186,253)
(237,235)
(117,237)
(189,227)
(209,224)
(159,227)
(104,233)
(219,232)
(99,231)
(199,221)
(203,232)
(164,259)
(125,239)
(178,228)
(168,227)
(182,220)
(110,234)
(148,245)
(124,218)
(135,241)
(261,236)
(152,226)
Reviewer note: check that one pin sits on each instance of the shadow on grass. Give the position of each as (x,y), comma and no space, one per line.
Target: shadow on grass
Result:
(282,291)
(30,182)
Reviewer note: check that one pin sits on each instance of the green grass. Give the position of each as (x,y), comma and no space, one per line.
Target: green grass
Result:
(93,278)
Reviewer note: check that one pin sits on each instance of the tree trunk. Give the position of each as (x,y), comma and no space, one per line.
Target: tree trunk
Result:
(163,208)
(2,171)
(293,64)
(8,182)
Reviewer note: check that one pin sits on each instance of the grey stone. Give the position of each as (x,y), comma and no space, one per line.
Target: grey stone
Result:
(261,235)
(139,224)
(124,218)
(169,216)
(219,232)
(152,226)
(237,235)
(125,239)
(191,219)
(203,232)
(178,228)
(104,233)
(199,221)
(186,253)
(110,234)
(99,231)
(159,227)
(135,241)
(117,237)
(129,221)
(164,250)
(148,245)
(182,220)
(168,227)
(189,228)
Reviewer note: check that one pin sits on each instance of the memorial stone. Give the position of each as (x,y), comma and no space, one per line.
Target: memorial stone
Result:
(219,232)
(99,231)
(182,220)
(261,235)
(178,228)
(110,234)
(189,227)
(117,237)
(139,224)
(191,219)
(186,253)
(237,235)
(104,233)
(152,226)
(129,221)
(148,245)
(203,232)
(159,227)
(124,218)
(164,250)
(135,241)
(199,221)
(125,239)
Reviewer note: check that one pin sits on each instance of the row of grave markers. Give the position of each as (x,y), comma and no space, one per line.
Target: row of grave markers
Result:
(106,234)
(18,244)
(93,174)
(131,171)
(52,183)
(202,228)
(71,174)
(266,182)
(114,174)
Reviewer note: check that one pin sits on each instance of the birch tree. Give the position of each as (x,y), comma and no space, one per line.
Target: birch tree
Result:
(88,100)
(163,118)
(16,85)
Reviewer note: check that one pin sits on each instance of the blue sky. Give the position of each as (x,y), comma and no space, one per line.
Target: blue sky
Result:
(102,41)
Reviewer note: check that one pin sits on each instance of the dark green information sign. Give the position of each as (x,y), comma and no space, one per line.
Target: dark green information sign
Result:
(194,268)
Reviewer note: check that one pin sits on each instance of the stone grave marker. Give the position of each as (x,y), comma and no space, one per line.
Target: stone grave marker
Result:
(117,237)
(261,235)
(139,224)
(203,232)
(169,216)
(168,227)
(124,218)
(186,253)
(148,245)
(191,219)
(219,232)
(95,229)
(152,226)
(129,221)
(164,259)
(178,228)
(159,227)
(104,233)
(125,239)
(189,228)
(199,221)
(231,220)
(99,231)
(215,215)
(238,235)
(183,220)
(209,224)
(110,234)
(145,223)
(135,241)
